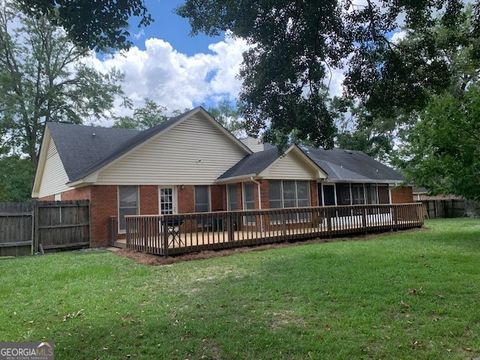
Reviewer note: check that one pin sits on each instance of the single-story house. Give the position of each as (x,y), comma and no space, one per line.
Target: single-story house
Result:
(190,163)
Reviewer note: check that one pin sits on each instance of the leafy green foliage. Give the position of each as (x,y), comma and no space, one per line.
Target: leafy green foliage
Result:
(43,77)
(229,116)
(297,44)
(16,178)
(443,149)
(150,115)
(99,25)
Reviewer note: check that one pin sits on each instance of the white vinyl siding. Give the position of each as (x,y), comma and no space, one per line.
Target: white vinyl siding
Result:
(54,177)
(290,166)
(194,152)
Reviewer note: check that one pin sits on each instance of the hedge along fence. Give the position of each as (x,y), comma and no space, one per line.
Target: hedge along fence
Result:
(28,228)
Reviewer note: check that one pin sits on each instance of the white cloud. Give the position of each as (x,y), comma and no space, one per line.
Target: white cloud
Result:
(176,80)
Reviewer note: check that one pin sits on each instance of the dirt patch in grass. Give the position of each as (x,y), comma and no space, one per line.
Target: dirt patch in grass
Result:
(148,259)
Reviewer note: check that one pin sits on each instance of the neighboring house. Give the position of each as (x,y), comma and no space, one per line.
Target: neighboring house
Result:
(192,164)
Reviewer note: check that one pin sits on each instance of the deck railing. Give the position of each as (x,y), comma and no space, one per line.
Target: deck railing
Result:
(183,233)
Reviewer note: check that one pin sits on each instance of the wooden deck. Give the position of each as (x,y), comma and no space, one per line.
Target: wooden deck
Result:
(184,233)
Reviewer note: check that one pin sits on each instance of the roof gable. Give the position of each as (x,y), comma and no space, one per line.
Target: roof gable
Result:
(260,164)
(86,149)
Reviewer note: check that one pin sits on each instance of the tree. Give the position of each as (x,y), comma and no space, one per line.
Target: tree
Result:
(229,116)
(297,44)
(443,148)
(150,115)
(98,25)
(16,178)
(43,77)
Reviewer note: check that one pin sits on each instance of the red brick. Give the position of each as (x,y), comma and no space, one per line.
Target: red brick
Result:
(103,205)
(218,198)
(149,200)
(82,193)
(186,199)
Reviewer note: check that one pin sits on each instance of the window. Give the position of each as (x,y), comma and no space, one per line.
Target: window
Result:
(232,197)
(288,194)
(202,198)
(127,204)
(249,202)
(358,194)
(329,195)
(343,194)
(372,194)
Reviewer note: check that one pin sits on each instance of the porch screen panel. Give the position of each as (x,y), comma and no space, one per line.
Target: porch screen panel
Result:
(329,195)
(358,194)
(372,195)
(232,197)
(275,198)
(127,203)
(249,201)
(343,194)
(383,194)
(303,198)
(202,198)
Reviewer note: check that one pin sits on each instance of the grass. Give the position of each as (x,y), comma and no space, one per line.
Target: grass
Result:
(401,295)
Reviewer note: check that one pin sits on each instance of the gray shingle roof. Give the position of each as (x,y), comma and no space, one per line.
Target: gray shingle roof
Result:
(349,165)
(340,165)
(83,153)
(252,164)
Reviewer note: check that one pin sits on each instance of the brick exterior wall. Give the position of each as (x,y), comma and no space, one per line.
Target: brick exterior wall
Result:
(103,205)
(313,193)
(264,189)
(186,198)
(149,200)
(402,194)
(47,198)
(82,193)
(218,197)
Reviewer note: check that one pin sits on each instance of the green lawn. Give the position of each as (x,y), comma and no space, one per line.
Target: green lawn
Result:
(402,295)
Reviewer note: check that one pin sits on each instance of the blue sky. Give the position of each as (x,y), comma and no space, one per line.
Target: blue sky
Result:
(172,28)
(176,70)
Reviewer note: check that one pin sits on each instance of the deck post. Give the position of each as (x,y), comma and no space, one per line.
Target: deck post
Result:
(395,217)
(165,236)
(364,219)
(229,227)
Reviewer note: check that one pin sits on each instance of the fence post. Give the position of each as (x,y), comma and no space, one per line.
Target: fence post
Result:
(35,239)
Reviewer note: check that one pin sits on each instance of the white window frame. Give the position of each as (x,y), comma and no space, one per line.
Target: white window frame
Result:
(174,194)
(124,231)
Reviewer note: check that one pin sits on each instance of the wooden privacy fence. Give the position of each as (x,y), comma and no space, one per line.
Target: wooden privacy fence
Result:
(16,228)
(184,233)
(28,228)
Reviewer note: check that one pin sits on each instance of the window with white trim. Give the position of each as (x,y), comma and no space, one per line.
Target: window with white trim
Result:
(127,204)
